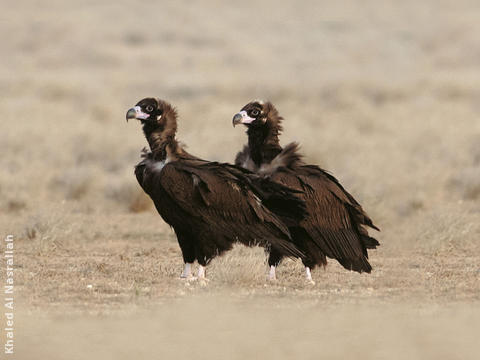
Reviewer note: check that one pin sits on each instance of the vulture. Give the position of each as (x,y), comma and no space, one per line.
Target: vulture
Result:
(210,205)
(335,225)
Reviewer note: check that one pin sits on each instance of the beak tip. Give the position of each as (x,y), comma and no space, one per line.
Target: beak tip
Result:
(237,119)
(131,114)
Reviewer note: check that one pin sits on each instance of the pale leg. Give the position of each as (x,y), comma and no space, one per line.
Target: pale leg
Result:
(201,275)
(187,271)
(201,272)
(308,275)
(271,273)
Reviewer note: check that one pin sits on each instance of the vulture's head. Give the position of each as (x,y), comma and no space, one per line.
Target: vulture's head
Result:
(259,115)
(154,113)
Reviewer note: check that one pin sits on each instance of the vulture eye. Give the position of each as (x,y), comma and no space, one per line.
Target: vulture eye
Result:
(255,112)
(149,108)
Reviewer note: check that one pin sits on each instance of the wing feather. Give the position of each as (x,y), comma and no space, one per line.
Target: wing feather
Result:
(335,219)
(226,203)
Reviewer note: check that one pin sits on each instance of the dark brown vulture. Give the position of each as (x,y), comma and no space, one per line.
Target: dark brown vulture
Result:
(209,205)
(335,225)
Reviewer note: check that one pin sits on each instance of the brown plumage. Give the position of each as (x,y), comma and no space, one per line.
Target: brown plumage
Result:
(335,225)
(209,205)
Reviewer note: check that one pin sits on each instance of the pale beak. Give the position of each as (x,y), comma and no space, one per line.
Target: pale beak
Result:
(242,118)
(136,113)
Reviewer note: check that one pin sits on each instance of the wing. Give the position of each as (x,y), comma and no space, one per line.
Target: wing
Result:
(140,174)
(282,200)
(329,182)
(140,169)
(335,219)
(225,202)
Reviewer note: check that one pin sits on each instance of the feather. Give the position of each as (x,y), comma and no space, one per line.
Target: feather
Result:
(335,225)
(209,205)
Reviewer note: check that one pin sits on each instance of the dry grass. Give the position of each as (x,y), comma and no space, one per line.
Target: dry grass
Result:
(383,94)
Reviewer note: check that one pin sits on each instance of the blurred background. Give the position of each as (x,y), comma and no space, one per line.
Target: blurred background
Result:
(384,94)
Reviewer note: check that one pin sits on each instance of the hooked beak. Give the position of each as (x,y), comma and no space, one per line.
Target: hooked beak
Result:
(237,119)
(242,118)
(131,114)
(136,113)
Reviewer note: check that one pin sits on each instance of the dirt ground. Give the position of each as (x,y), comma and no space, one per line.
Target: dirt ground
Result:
(383,94)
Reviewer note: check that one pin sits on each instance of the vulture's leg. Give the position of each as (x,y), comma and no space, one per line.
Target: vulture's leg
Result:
(187,271)
(271,273)
(188,253)
(273,261)
(202,258)
(308,276)
(309,264)
(201,275)
(201,272)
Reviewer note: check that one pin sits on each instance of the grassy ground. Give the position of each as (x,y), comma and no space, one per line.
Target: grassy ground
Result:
(383,94)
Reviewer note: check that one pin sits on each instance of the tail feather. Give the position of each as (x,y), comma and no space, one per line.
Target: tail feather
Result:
(369,242)
(359,264)
(346,246)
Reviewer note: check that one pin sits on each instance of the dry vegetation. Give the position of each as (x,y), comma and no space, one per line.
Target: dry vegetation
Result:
(384,94)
